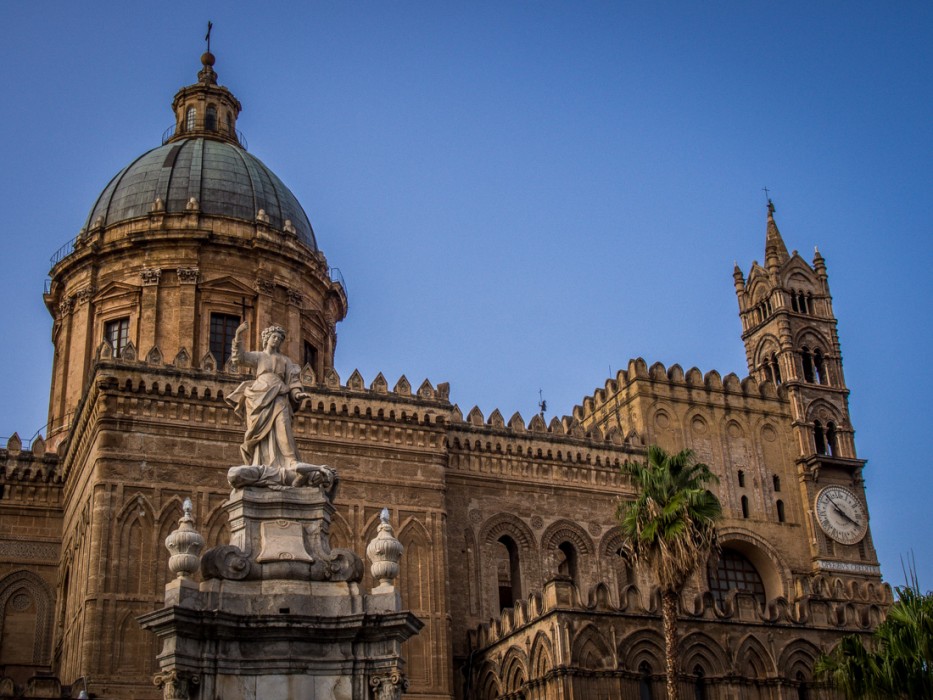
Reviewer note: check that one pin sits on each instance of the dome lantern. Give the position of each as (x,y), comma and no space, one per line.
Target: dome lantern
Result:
(205,108)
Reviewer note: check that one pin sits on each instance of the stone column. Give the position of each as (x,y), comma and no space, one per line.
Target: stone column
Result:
(293,326)
(148,310)
(186,331)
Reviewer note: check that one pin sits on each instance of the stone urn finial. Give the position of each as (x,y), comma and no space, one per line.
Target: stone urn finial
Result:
(185,545)
(384,551)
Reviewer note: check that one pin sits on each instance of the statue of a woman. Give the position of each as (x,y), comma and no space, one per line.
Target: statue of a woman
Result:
(267,403)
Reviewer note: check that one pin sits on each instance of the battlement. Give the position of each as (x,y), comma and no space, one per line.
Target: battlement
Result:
(675,378)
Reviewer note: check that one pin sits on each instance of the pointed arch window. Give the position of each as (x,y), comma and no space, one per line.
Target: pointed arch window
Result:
(807,360)
(819,367)
(699,683)
(508,572)
(567,566)
(734,571)
(819,438)
(832,443)
(644,681)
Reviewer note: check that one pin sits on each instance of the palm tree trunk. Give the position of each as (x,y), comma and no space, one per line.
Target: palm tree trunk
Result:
(669,615)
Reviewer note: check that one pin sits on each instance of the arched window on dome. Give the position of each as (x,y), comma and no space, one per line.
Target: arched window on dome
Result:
(735,572)
(191,119)
(229,123)
(210,118)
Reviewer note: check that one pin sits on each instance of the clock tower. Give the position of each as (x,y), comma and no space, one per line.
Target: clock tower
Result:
(791,341)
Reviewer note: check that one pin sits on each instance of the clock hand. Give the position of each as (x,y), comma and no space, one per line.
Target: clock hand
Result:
(843,513)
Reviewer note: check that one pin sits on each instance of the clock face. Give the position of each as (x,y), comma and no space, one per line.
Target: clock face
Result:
(841,514)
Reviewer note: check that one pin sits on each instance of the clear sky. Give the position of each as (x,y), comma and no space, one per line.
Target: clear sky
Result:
(523,195)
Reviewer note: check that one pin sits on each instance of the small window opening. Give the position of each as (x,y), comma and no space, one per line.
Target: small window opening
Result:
(644,681)
(191,119)
(776,368)
(776,481)
(699,684)
(508,572)
(793,302)
(117,333)
(807,365)
(230,123)
(210,119)
(780,511)
(567,565)
(831,439)
(310,355)
(802,693)
(819,367)
(819,438)
(223,328)
(744,506)
(741,479)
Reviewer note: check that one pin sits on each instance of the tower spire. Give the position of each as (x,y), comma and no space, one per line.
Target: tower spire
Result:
(775,250)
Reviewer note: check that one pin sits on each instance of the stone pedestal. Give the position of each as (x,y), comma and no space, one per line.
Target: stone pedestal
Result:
(279,615)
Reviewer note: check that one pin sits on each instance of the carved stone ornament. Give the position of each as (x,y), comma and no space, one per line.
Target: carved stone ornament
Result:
(184,545)
(388,687)
(176,685)
(66,306)
(295,298)
(187,275)
(85,295)
(265,286)
(150,276)
(384,551)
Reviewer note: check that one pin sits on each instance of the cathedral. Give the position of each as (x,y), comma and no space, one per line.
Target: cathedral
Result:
(513,560)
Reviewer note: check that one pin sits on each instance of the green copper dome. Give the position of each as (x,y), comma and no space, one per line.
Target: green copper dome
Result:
(220,176)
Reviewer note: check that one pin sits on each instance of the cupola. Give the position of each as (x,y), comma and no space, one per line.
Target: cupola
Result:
(205,108)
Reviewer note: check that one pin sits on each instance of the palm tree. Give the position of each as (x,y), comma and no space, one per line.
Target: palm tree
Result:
(900,661)
(670,528)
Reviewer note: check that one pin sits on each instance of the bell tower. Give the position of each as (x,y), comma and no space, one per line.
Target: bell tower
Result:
(791,341)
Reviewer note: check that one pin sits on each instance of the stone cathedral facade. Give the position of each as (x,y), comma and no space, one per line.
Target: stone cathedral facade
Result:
(512,554)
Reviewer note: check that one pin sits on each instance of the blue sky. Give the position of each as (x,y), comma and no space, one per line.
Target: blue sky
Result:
(523,195)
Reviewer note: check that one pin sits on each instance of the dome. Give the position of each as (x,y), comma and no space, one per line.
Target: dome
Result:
(223,179)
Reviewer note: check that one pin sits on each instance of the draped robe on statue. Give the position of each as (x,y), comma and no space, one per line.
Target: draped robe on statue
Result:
(264,403)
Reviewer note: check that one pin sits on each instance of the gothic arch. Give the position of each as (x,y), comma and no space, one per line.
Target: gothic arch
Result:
(133,544)
(798,276)
(514,670)
(767,345)
(415,573)
(216,528)
(567,531)
(134,654)
(590,651)
(813,338)
(823,410)
(699,649)
(798,656)
(489,686)
(541,656)
(340,533)
(753,660)
(646,645)
(616,568)
(774,572)
(20,591)
(507,524)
